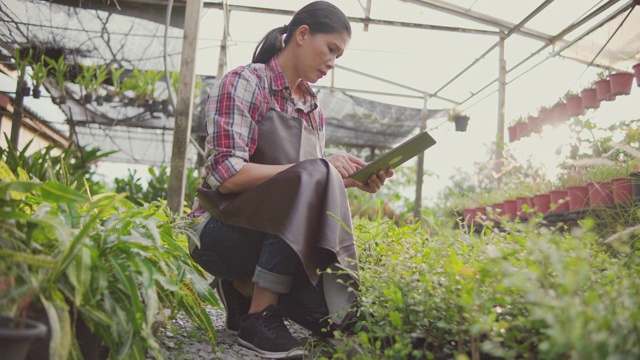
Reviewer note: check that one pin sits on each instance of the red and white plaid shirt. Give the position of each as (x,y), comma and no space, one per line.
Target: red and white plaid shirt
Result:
(236,105)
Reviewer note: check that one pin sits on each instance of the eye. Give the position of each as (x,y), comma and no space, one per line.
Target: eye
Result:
(331,49)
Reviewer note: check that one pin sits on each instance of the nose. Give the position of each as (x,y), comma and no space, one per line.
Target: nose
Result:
(332,63)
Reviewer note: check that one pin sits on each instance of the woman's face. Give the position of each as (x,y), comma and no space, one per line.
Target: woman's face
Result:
(318,53)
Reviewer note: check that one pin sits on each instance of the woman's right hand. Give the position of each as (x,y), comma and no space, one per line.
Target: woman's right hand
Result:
(346,164)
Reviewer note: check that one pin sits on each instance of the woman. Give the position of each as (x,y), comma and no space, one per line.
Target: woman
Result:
(269,201)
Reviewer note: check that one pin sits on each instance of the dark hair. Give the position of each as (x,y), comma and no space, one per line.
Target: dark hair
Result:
(320,16)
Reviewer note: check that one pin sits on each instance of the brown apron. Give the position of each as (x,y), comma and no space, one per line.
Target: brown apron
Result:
(306,205)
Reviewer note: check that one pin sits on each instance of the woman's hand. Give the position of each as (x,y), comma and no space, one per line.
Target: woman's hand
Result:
(345,163)
(375,182)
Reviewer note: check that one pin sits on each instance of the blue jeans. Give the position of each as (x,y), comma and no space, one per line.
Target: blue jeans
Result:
(230,252)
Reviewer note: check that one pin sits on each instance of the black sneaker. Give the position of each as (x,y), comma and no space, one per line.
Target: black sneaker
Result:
(235,304)
(266,334)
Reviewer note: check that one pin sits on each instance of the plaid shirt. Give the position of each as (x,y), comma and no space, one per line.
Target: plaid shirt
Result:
(236,105)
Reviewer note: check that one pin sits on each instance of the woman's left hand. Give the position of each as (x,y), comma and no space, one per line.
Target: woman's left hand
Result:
(375,182)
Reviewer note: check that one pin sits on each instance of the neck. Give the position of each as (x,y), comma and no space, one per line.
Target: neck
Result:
(287,61)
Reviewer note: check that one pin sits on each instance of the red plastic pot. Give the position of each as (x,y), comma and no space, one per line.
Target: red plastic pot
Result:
(600,193)
(521,201)
(513,135)
(495,211)
(574,106)
(578,197)
(559,114)
(636,71)
(481,213)
(560,201)
(511,209)
(621,83)
(590,99)
(603,90)
(622,189)
(469,216)
(542,203)
(522,129)
(534,125)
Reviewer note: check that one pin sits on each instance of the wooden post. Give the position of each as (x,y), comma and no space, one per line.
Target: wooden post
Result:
(502,84)
(184,106)
(417,204)
(16,119)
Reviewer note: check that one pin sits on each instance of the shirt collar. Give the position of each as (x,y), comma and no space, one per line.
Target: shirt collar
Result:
(279,82)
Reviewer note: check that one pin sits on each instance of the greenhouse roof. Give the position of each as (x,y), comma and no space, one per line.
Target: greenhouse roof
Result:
(402,52)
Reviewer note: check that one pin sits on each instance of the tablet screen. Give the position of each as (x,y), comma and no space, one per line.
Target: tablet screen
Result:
(395,157)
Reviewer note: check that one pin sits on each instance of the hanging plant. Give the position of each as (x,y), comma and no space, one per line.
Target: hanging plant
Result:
(116,81)
(96,83)
(461,121)
(85,79)
(59,71)
(39,74)
(22,61)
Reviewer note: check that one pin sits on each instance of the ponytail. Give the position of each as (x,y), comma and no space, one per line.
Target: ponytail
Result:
(320,16)
(270,45)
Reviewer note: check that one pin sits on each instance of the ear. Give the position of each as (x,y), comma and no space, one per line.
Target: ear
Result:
(302,32)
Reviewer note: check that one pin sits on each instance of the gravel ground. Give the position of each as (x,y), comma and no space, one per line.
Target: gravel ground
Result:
(183,341)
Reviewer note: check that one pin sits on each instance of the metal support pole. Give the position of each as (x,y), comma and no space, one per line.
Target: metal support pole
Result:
(417,204)
(502,87)
(184,106)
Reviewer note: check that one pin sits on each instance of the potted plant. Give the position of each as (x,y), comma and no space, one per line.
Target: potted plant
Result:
(59,68)
(85,79)
(116,83)
(589,98)
(636,70)
(39,74)
(23,60)
(461,121)
(603,86)
(574,103)
(96,83)
(621,83)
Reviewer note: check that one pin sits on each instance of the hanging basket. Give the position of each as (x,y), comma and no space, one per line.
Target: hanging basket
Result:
(461,122)
(574,106)
(636,71)
(590,99)
(621,83)
(603,90)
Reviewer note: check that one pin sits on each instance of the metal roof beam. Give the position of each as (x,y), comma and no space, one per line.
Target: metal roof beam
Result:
(480,18)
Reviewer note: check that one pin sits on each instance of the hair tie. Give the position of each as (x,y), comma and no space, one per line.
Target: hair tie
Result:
(285,29)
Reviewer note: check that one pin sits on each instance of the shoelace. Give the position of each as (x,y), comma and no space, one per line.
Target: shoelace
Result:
(273,323)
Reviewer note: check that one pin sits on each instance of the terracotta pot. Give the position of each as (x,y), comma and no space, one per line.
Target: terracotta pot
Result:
(560,201)
(621,83)
(636,71)
(590,99)
(622,189)
(542,203)
(600,193)
(496,211)
(578,197)
(511,209)
(603,90)
(521,203)
(513,135)
(574,106)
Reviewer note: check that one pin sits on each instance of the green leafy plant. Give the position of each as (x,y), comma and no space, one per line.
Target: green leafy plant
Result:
(22,60)
(39,74)
(59,69)
(116,81)
(96,259)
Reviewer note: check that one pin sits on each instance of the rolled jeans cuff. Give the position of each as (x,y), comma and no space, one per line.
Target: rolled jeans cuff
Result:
(271,281)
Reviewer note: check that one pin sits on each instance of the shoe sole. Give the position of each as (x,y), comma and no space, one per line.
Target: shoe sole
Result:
(291,354)
(220,293)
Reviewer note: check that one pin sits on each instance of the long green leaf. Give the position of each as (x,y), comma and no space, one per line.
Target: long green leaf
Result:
(56,192)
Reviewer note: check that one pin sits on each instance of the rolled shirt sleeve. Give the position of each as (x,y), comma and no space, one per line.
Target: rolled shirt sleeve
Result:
(234,106)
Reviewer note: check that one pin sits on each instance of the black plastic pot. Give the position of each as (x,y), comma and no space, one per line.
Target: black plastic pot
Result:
(100,100)
(26,91)
(37,92)
(88,98)
(14,341)
(461,122)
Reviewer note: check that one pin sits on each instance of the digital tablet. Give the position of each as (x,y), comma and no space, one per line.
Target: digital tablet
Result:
(395,157)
